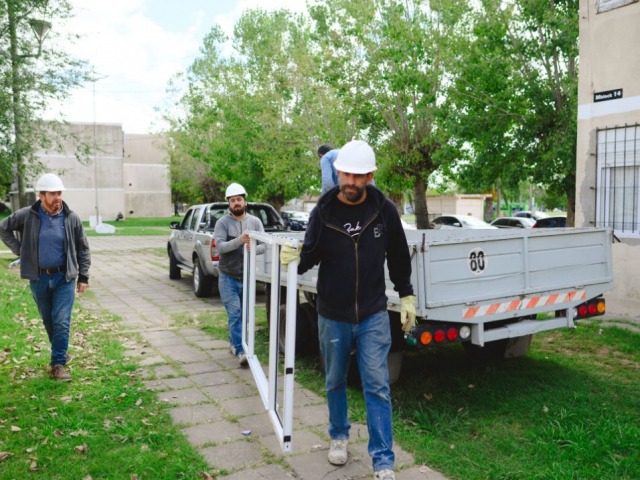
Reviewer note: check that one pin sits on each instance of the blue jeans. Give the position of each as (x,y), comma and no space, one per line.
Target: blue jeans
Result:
(372,340)
(231,295)
(54,297)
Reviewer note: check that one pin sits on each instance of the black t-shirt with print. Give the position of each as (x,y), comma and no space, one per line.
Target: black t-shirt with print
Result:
(351,217)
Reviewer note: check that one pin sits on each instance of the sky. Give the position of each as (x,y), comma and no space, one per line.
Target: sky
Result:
(135,47)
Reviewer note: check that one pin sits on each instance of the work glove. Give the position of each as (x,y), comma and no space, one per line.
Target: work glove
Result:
(408,312)
(289,254)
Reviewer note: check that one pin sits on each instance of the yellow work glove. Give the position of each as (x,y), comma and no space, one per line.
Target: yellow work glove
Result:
(408,312)
(289,254)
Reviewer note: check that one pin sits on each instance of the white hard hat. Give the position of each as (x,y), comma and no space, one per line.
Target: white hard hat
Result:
(235,189)
(356,157)
(49,182)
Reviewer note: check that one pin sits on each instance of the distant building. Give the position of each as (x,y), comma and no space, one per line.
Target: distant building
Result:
(608,145)
(458,204)
(128,173)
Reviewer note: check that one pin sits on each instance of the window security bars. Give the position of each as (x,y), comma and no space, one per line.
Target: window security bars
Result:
(618,179)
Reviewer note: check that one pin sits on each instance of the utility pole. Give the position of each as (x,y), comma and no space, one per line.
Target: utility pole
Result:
(40,29)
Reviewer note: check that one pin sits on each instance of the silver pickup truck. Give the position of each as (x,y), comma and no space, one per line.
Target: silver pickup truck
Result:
(191,247)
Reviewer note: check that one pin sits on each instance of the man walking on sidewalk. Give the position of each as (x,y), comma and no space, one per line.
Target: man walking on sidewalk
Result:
(53,251)
(352,232)
(232,238)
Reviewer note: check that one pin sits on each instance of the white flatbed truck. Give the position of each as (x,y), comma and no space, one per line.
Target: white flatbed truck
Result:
(483,288)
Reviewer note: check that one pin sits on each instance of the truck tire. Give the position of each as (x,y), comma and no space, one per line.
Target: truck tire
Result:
(202,283)
(306,335)
(174,269)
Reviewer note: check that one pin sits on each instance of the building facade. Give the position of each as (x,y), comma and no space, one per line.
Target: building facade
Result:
(608,148)
(126,173)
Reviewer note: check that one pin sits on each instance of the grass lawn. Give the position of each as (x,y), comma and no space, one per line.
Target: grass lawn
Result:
(103,425)
(137,226)
(569,410)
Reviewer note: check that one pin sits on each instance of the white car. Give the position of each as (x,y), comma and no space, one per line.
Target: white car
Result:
(513,222)
(459,221)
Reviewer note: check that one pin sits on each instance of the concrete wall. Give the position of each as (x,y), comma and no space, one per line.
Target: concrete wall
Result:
(462,204)
(609,60)
(127,173)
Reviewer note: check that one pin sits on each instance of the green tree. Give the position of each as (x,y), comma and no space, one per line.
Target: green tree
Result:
(32,73)
(513,105)
(256,116)
(388,60)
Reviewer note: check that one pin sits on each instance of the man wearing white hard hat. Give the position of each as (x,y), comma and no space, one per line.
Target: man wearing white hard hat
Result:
(232,238)
(55,258)
(352,232)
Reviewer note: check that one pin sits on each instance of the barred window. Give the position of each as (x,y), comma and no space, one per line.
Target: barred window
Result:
(618,180)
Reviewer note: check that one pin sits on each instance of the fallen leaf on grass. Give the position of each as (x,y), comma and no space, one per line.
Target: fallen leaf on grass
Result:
(58,433)
(15,429)
(5,455)
(81,448)
(206,476)
(88,478)
(34,466)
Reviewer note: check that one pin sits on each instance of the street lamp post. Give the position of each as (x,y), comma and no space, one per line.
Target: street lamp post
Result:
(40,29)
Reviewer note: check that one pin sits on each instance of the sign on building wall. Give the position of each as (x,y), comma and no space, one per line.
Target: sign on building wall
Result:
(607,95)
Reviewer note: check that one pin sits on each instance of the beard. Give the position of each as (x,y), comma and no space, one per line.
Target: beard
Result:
(238,210)
(352,193)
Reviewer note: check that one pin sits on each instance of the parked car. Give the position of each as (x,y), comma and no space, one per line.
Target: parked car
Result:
(559,221)
(529,214)
(192,248)
(513,222)
(294,220)
(459,221)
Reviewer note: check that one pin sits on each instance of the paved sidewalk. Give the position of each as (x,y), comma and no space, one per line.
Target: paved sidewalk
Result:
(212,399)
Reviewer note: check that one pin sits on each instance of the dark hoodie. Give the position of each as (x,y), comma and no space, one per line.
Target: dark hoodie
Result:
(351,276)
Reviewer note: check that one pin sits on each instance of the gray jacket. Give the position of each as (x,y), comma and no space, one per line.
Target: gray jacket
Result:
(227,235)
(27,222)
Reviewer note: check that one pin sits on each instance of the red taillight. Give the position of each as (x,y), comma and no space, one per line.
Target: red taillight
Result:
(592,309)
(214,251)
(439,336)
(452,334)
(582,310)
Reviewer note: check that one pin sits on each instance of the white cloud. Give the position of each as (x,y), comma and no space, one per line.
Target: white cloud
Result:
(135,54)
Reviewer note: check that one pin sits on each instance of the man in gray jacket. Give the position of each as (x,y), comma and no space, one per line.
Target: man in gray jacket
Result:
(53,251)
(231,236)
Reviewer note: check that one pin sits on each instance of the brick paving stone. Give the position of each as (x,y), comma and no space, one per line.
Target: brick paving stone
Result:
(316,466)
(266,472)
(169,384)
(186,354)
(230,390)
(183,397)
(217,432)
(233,456)
(312,415)
(212,378)
(201,367)
(243,406)
(195,414)
(303,442)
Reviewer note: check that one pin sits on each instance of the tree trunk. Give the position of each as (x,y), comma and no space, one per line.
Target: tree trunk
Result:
(420,198)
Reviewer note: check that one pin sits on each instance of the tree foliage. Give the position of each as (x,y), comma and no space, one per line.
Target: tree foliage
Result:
(31,75)
(483,94)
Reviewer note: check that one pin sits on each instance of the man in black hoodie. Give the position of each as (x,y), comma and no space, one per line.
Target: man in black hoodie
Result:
(352,232)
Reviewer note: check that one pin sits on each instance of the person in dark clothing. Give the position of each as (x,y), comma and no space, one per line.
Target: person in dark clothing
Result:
(353,231)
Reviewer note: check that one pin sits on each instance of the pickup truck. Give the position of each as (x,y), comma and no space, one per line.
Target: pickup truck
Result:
(192,248)
(488,289)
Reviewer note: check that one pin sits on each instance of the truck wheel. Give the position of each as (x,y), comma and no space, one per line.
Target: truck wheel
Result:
(306,336)
(174,269)
(202,283)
